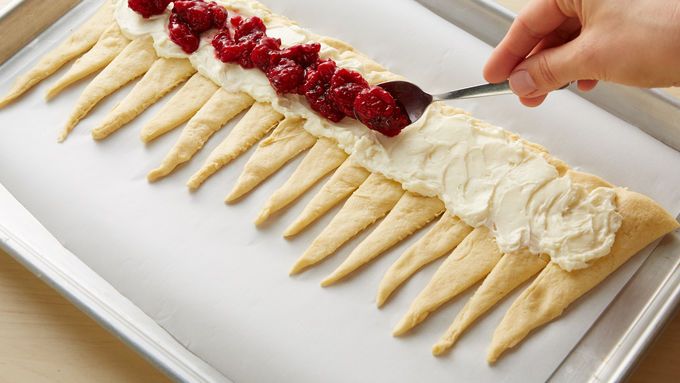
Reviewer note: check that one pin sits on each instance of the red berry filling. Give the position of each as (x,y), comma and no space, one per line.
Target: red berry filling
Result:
(333,93)
(200,16)
(378,110)
(237,49)
(182,35)
(191,18)
(345,86)
(317,88)
(304,54)
(286,76)
(148,8)
(264,55)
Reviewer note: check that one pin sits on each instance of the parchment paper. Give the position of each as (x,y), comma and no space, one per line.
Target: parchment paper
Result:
(220,286)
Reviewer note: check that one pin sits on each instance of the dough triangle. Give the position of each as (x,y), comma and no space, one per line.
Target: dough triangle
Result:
(346,179)
(469,263)
(287,140)
(135,60)
(259,120)
(370,202)
(180,108)
(324,157)
(445,235)
(555,289)
(163,76)
(109,45)
(220,109)
(78,43)
(412,212)
(509,273)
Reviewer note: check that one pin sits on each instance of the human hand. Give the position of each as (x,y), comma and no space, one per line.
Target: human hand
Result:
(554,42)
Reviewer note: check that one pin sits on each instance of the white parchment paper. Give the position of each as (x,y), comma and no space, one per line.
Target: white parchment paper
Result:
(220,286)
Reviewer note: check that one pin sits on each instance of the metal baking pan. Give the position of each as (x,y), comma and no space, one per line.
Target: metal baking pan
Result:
(614,344)
(609,350)
(20,22)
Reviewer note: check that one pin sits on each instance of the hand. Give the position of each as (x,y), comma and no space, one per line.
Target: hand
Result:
(554,42)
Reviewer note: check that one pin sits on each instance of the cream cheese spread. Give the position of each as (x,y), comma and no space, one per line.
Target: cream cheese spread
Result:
(482,174)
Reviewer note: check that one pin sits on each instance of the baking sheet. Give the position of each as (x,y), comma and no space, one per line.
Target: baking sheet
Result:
(221,286)
(23,237)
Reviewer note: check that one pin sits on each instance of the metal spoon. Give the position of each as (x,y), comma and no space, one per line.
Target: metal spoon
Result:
(415,100)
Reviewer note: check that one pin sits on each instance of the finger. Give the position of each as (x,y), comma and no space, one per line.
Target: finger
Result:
(586,85)
(549,69)
(566,32)
(538,19)
(534,101)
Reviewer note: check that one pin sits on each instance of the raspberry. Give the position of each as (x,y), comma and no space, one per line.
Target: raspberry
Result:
(287,76)
(378,110)
(182,35)
(200,16)
(247,33)
(219,15)
(262,55)
(246,27)
(317,85)
(345,86)
(148,8)
(228,50)
(304,54)
(196,14)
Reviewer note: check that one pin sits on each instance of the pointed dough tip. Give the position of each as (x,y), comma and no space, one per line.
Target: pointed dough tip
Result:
(405,325)
(155,175)
(330,280)
(441,347)
(99,134)
(290,232)
(146,138)
(299,266)
(262,217)
(493,355)
(380,299)
(335,277)
(4,102)
(232,197)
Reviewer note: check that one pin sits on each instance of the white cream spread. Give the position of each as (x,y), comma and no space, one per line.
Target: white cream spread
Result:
(482,174)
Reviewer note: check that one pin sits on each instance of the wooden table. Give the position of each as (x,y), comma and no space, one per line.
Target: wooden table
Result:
(43,338)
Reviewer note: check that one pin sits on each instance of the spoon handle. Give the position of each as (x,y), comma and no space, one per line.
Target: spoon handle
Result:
(475,91)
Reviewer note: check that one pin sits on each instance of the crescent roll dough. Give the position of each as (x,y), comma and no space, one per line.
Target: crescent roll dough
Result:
(446,234)
(555,289)
(132,62)
(79,42)
(324,157)
(109,45)
(470,262)
(163,76)
(181,107)
(409,214)
(346,179)
(370,202)
(287,140)
(220,109)
(259,120)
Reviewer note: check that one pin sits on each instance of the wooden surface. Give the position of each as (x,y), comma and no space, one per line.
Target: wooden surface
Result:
(43,338)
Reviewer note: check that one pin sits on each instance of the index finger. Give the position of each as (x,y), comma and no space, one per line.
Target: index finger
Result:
(536,20)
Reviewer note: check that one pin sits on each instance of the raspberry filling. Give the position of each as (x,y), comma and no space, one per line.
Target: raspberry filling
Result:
(378,110)
(334,93)
(148,8)
(189,19)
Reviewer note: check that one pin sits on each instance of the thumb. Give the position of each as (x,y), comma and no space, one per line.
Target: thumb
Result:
(549,69)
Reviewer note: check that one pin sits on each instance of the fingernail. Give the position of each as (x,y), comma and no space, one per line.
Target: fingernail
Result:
(522,84)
